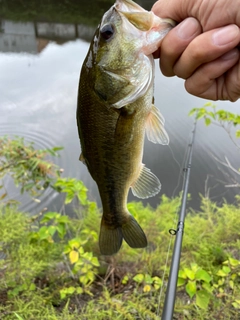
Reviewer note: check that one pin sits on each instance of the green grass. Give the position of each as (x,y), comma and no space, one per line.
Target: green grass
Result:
(35,268)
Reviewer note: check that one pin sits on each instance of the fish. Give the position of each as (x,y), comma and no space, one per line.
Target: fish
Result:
(115,110)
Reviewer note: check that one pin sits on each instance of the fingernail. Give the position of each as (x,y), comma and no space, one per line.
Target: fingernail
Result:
(230,55)
(225,35)
(187,28)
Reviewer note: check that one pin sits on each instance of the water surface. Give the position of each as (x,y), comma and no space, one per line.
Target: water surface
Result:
(40,60)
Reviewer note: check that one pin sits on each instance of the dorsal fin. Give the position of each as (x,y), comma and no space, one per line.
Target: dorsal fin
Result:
(155,127)
(147,185)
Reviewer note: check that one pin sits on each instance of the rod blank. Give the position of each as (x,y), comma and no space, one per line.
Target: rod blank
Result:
(170,297)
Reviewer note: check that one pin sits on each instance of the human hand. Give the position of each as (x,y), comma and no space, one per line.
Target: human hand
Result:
(202,49)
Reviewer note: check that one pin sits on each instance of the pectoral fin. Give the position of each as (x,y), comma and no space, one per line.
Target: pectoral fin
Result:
(147,185)
(155,127)
(81,158)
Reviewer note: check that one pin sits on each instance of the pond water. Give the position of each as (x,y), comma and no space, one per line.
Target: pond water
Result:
(40,60)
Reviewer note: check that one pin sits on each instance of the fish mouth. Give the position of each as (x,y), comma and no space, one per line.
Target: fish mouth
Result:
(135,14)
(128,6)
(142,19)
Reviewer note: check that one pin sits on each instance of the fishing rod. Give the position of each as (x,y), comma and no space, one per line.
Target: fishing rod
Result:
(169,302)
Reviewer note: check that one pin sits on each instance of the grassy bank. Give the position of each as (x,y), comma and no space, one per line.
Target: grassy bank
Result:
(52,268)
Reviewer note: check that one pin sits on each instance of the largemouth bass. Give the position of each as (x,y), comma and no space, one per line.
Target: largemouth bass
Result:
(115,110)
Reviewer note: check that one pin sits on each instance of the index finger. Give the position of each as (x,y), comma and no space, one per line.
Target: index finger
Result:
(208,13)
(175,42)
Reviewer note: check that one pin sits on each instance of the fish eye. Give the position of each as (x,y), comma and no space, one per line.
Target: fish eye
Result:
(107,31)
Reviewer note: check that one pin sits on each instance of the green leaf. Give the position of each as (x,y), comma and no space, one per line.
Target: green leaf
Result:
(125,279)
(63,219)
(231,284)
(194,267)
(207,287)
(182,274)
(61,229)
(95,262)
(203,275)
(148,279)
(157,280)
(18,317)
(79,290)
(238,133)
(200,115)
(70,290)
(83,279)
(191,288)
(51,230)
(221,273)
(51,152)
(32,287)
(90,276)
(66,291)
(189,273)
(221,282)
(236,305)
(57,148)
(202,299)
(207,121)
(49,216)
(139,278)
(70,196)
(224,271)
(208,104)
(62,294)
(181,282)
(73,256)
(74,243)
(43,233)
(191,112)
(234,262)
(210,113)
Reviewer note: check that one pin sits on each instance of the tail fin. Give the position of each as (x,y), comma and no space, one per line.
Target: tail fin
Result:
(133,234)
(110,240)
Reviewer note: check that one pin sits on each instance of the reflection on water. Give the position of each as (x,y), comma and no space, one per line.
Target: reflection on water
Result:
(30,32)
(33,37)
(40,60)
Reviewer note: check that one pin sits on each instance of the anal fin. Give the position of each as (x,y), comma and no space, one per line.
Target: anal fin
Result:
(147,185)
(155,127)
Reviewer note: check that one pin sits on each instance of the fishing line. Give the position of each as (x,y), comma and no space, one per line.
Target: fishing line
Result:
(169,302)
(180,175)
(180,166)
(163,277)
(167,257)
